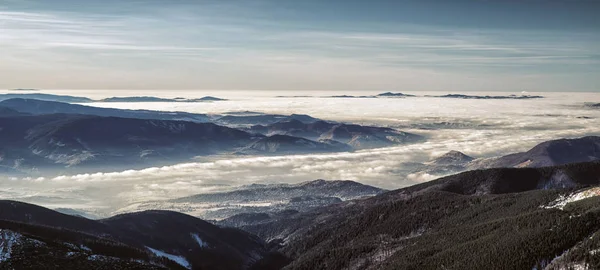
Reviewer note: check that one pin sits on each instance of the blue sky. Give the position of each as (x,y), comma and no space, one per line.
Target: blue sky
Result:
(313,45)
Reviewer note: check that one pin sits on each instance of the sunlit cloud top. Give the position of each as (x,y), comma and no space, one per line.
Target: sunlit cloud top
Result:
(313,45)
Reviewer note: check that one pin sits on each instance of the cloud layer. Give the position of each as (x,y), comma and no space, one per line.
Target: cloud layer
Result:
(480,128)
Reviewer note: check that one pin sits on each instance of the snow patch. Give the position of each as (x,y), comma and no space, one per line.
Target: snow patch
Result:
(7,240)
(563,200)
(579,266)
(95,257)
(178,259)
(201,243)
(524,164)
(82,247)
(103,258)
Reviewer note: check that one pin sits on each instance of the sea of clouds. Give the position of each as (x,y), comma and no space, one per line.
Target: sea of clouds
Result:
(479,128)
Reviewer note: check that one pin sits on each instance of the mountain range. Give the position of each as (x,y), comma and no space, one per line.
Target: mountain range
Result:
(549,153)
(75,99)
(246,119)
(40,107)
(283,144)
(555,152)
(460,96)
(401,95)
(157,99)
(55,141)
(46,97)
(33,237)
(390,94)
(505,218)
(40,135)
(59,140)
(382,95)
(357,136)
(262,199)
(471,183)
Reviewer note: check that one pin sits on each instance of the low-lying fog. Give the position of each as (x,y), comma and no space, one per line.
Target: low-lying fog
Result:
(479,128)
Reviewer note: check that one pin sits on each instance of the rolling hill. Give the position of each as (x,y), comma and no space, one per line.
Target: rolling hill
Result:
(33,237)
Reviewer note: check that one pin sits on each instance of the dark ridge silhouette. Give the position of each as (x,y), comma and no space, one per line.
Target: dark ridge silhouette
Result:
(488,97)
(66,240)
(46,97)
(38,107)
(157,99)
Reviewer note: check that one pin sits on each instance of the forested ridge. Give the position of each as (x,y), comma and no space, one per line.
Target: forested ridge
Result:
(485,219)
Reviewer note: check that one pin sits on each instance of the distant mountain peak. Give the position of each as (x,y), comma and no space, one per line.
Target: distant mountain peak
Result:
(45,97)
(390,94)
(323,182)
(461,96)
(452,157)
(209,98)
(549,153)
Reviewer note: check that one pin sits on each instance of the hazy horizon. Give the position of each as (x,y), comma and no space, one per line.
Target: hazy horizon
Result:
(234,94)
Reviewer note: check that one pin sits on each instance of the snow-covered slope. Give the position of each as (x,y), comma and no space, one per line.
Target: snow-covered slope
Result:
(7,240)
(563,200)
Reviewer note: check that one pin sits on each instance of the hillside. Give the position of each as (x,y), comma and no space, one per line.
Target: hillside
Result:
(357,136)
(283,144)
(550,153)
(427,226)
(33,237)
(54,141)
(76,141)
(265,200)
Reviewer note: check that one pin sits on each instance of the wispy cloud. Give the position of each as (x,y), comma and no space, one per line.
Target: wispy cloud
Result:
(222,42)
(101,33)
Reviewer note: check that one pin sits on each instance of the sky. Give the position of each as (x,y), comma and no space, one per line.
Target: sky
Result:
(395,45)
